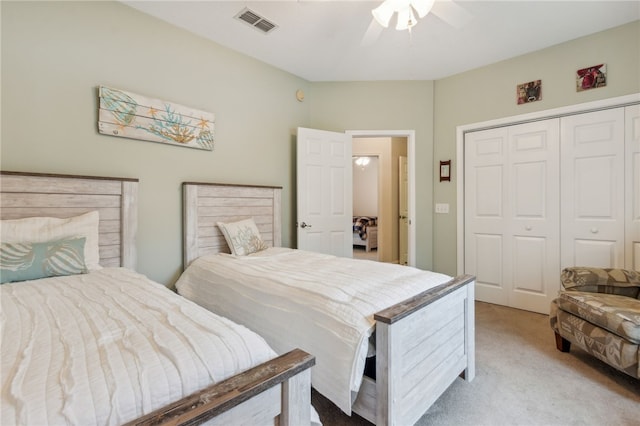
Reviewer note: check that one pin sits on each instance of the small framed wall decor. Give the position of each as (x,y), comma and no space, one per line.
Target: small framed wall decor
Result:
(529,92)
(445,170)
(591,77)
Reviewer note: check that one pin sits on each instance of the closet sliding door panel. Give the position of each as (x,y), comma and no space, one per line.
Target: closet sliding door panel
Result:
(534,214)
(592,189)
(485,218)
(632,169)
(512,214)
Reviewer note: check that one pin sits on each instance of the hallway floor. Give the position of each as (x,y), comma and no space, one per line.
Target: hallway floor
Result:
(360,253)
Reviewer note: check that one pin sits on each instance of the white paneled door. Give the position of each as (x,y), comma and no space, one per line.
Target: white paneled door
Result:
(632,199)
(593,186)
(324,195)
(512,214)
(550,194)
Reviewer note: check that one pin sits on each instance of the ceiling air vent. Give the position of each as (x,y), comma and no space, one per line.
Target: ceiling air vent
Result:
(256,21)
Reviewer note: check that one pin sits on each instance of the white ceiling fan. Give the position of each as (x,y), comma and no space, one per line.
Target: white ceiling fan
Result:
(404,9)
(407,13)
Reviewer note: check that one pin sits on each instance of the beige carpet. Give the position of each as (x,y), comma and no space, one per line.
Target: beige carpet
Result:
(361,253)
(522,379)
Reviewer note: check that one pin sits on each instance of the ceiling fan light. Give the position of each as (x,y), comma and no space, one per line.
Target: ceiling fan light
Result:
(422,6)
(383,13)
(362,162)
(406,19)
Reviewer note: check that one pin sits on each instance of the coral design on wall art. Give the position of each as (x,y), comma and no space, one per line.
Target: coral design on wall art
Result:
(128,115)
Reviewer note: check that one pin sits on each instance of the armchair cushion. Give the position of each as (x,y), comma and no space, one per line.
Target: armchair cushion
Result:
(617,314)
(602,280)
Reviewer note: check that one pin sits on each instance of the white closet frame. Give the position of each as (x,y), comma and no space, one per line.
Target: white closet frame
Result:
(620,101)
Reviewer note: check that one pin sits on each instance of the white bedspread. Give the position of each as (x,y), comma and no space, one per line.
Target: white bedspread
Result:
(108,347)
(320,303)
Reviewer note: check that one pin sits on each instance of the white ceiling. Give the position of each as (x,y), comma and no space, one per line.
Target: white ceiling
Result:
(338,40)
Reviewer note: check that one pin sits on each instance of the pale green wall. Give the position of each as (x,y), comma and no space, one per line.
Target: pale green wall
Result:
(393,105)
(490,92)
(55,54)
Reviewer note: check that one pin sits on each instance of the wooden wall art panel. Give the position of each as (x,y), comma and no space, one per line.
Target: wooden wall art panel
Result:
(129,115)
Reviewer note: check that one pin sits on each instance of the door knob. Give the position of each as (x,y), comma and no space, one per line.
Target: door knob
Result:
(304,225)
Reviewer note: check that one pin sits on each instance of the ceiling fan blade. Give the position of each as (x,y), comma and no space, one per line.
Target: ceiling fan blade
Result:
(452,13)
(372,34)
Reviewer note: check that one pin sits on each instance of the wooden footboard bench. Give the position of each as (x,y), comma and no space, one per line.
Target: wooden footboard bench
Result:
(274,389)
(371,242)
(422,345)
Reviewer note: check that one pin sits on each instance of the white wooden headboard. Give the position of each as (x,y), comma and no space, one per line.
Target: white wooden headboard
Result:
(52,195)
(205,204)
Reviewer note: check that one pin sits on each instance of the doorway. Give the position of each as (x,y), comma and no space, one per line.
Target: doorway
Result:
(366,196)
(333,176)
(386,233)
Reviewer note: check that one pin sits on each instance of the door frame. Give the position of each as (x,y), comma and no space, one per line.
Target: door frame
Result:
(615,102)
(410,135)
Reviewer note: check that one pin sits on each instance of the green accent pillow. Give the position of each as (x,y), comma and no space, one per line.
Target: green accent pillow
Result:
(31,261)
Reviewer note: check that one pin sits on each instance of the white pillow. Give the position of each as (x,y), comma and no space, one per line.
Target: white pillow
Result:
(44,229)
(243,237)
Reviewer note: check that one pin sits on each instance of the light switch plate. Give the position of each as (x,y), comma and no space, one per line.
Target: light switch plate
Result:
(442,208)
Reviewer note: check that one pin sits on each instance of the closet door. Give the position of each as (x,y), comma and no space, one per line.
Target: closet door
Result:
(486,225)
(512,214)
(632,170)
(534,248)
(593,189)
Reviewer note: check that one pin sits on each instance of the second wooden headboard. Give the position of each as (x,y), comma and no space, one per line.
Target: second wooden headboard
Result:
(205,204)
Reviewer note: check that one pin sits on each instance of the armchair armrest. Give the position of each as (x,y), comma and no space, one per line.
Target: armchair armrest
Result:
(622,282)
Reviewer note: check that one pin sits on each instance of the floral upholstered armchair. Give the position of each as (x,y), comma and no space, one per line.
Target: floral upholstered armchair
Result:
(599,311)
